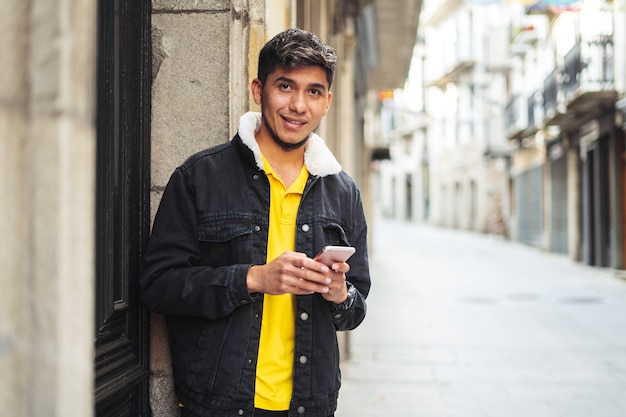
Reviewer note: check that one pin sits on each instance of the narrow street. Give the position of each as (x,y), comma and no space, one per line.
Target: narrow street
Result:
(469,325)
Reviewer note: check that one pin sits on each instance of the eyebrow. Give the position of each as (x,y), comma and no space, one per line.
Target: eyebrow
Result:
(288,80)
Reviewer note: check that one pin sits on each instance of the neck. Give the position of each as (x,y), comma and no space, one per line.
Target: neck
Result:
(287,164)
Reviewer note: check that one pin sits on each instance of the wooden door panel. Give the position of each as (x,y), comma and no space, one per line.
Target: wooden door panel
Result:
(122,206)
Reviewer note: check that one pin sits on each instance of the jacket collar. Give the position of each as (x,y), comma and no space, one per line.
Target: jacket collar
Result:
(318,159)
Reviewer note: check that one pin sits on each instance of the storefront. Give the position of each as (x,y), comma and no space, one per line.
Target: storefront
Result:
(601,146)
(559,220)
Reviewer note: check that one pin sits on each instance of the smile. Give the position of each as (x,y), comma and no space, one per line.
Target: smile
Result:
(294,121)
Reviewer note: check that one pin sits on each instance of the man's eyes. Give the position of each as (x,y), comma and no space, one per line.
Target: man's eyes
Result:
(287,87)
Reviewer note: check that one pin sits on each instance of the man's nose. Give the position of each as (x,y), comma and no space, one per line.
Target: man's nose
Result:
(298,102)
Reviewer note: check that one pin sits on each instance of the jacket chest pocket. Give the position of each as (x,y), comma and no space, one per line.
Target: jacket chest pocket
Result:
(224,240)
(334,234)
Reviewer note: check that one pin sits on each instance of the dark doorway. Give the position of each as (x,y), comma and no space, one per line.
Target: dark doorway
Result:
(596,207)
(122,206)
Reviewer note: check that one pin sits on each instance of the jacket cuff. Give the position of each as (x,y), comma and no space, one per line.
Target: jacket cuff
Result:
(241,295)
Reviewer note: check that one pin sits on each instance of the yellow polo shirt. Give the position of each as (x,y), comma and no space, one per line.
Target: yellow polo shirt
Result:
(274,373)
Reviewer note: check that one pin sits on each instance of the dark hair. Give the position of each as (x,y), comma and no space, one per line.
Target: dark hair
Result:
(296,48)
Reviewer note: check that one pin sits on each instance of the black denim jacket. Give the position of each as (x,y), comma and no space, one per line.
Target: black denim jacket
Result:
(211,226)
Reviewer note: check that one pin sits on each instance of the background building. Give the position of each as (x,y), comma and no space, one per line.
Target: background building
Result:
(517,127)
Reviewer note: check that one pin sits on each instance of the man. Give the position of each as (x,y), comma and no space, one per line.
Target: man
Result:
(252,317)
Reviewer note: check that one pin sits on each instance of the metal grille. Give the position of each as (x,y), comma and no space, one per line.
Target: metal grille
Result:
(558,197)
(529,190)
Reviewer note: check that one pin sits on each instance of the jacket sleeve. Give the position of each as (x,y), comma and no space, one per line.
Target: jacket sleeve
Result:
(172,281)
(359,274)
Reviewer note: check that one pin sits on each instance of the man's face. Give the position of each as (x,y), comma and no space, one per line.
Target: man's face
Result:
(293,102)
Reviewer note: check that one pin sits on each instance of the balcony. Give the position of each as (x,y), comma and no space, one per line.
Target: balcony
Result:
(588,76)
(584,87)
(522,115)
(433,16)
(534,106)
(455,74)
(514,120)
(396,29)
(523,40)
(553,109)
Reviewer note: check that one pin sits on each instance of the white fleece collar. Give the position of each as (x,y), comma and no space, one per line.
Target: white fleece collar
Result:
(318,159)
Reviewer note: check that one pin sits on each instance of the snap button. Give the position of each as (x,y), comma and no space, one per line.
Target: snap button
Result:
(257,228)
(240,412)
(303,359)
(255,176)
(301,410)
(304,316)
(306,227)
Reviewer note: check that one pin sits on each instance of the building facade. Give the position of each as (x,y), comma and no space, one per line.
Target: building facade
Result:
(522,123)
(567,164)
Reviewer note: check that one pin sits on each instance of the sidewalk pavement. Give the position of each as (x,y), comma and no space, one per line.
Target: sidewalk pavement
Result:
(469,325)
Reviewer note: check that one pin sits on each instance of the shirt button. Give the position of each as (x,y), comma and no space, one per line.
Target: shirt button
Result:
(304,316)
(255,177)
(257,228)
(306,227)
(303,359)
(301,410)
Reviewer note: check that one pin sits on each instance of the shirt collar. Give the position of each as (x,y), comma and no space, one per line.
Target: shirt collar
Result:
(318,159)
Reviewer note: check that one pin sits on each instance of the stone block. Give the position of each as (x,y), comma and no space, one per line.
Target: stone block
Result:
(195,6)
(190,93)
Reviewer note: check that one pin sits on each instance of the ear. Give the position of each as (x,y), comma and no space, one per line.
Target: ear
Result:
(256,87)
(329,98)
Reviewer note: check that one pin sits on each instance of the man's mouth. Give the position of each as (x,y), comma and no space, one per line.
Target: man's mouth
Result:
(295,122)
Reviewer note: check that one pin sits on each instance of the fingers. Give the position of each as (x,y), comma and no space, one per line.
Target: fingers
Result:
(334,278)
(341,267)
(295,273)
(313,280)
(292,273)
(337,286)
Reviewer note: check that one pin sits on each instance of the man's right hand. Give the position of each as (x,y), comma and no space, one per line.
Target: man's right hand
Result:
(289,273)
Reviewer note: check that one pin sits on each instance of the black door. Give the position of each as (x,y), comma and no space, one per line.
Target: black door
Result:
(122,206)
(596,213)
(601,200)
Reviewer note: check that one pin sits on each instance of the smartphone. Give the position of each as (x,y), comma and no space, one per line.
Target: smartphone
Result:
(332,254)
